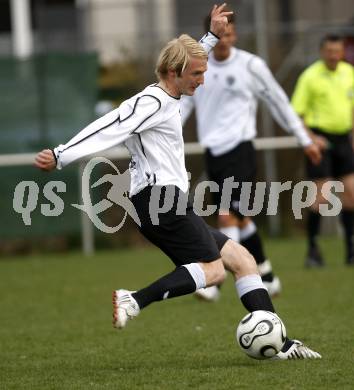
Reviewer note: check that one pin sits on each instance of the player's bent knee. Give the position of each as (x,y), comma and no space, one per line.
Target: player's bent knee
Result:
(238,260)
(244,222)
(226,220)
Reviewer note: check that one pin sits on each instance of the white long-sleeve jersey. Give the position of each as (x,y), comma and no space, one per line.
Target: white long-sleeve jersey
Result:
(226,105)
(149,125)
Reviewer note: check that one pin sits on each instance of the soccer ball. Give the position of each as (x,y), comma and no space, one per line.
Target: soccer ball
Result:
(261,334)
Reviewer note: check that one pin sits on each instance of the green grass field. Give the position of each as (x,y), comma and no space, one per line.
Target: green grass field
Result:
(56,333)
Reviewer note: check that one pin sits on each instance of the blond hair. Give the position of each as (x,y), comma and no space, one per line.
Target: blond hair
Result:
(176,54)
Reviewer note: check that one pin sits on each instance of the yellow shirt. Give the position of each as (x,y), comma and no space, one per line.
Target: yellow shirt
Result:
(325,98)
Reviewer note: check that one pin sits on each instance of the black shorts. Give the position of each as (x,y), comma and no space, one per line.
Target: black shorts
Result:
(239,163)
(337,160)
(183,238)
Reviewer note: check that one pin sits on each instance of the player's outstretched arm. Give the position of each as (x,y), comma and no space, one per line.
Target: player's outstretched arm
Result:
(218,20)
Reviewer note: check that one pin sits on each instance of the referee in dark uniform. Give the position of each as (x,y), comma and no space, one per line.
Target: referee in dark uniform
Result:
(324,98)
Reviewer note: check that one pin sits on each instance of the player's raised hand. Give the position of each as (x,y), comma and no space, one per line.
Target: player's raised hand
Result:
(218,20)
(45,160)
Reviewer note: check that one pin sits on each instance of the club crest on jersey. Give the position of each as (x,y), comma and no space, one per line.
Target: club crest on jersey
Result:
(230,80)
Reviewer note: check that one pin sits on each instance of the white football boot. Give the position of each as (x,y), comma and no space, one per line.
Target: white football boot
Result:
(297,351)
(273,287)
(210,294)
(125,308)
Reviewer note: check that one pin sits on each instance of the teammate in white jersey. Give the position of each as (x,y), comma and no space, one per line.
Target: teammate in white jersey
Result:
(149,125)
(226,111)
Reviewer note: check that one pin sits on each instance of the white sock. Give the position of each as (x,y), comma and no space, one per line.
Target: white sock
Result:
(248,231)
(232,232)
(197,273)
(248,283)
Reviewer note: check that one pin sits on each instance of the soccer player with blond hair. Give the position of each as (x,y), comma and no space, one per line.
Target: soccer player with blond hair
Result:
(149,125)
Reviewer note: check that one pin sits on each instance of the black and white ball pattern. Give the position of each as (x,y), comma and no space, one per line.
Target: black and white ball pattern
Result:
(261,334)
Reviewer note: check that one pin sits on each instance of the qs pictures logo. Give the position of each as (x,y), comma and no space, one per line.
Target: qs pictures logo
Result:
(25,199)
(118,194)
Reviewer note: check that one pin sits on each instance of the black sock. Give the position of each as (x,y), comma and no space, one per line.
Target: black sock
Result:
(313,228)
(254,245)
(347,218)
(257,299)
(178,282)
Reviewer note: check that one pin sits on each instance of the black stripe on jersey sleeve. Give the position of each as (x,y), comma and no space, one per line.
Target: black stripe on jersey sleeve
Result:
(120,121)
(147,118)
(141,143)
(90,135)
(266,93)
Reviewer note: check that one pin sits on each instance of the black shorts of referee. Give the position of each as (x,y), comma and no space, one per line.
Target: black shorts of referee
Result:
(239,163)
(337,160)
(183,236)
